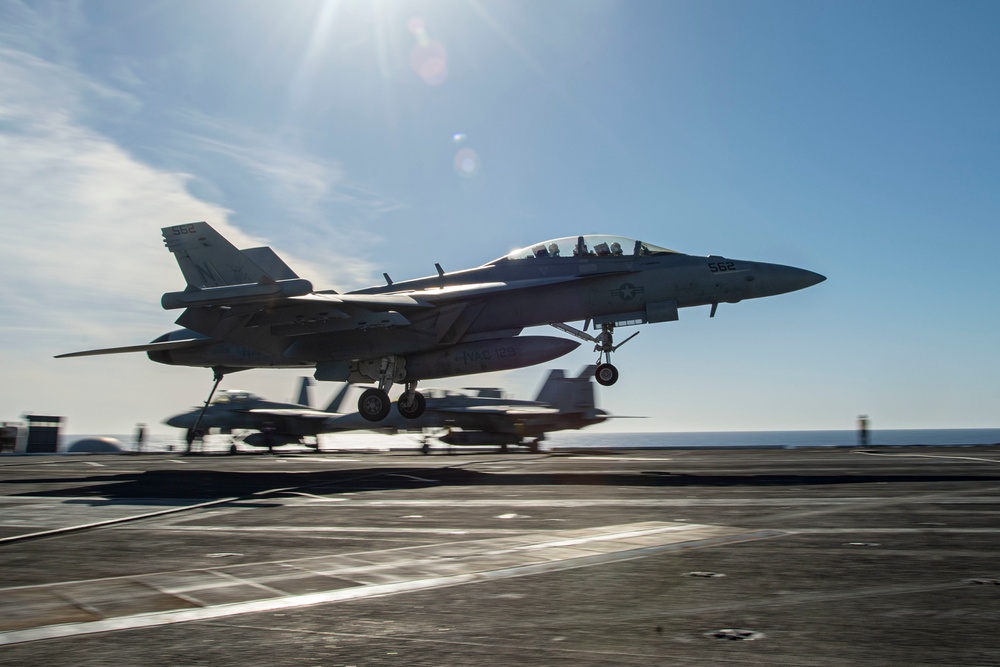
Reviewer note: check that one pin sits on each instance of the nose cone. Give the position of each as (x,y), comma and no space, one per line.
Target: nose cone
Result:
(183,420)
(772,279)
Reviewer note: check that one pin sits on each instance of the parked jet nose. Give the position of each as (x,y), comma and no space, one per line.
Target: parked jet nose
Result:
(183,420)
(772,279)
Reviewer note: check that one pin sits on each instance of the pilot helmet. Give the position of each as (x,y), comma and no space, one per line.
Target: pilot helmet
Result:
(616,248)
(554,249)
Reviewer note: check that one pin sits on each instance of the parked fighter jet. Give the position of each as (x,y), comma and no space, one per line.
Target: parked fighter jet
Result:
(274,423)
(490,418)
(248,309)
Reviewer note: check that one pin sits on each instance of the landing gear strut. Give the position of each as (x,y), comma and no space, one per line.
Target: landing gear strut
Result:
(374,403)
(605,374)
(193,431)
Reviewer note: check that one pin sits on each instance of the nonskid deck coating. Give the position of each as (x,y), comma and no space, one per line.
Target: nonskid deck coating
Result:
(878,560)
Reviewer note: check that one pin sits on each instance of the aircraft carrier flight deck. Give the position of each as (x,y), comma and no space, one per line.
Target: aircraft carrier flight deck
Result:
(777,557)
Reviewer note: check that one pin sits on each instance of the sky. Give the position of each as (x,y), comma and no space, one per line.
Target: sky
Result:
(857,139)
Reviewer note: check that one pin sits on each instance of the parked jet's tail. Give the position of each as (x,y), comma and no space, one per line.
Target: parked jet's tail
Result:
(569,394)
(337,401)
(303,399)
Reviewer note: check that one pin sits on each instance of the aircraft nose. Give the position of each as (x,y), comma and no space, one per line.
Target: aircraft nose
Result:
(775,279)
(184,420)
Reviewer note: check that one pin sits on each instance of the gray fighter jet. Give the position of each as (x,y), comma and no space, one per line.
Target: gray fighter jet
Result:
(247,309)
(488,417)
(274,424)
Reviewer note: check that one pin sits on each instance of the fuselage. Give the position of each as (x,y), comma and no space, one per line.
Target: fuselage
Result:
(579,279)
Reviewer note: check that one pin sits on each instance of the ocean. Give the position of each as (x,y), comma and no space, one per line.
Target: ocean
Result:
(599,440)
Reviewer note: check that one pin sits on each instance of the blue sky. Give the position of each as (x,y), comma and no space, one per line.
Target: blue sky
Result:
(857,139)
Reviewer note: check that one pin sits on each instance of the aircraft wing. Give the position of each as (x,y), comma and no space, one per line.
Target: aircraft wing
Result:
(148,347)
(418,299)
(436,294)
(323,312)
(255,297)
(505,410)
(284,413)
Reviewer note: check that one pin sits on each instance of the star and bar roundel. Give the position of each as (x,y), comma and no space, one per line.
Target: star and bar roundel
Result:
(628,291)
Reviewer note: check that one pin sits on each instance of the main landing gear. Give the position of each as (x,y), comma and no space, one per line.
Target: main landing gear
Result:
(605,374)
(374,404)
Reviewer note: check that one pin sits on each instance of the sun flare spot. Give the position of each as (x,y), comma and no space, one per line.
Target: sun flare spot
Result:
(428,58)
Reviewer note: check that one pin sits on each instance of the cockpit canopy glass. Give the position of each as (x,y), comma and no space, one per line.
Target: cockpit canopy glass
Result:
(234,396)
(590,245)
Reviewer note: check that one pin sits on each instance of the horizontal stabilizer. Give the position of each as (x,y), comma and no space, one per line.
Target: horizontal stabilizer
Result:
(148,347)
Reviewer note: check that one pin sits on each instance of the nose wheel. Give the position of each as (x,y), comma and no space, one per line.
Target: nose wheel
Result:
(606,374)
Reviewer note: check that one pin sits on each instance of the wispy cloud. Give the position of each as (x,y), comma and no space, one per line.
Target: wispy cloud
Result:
(80,215)
(82,265)
(319,204)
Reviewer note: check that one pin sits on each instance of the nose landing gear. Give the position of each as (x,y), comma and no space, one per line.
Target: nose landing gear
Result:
(605,374)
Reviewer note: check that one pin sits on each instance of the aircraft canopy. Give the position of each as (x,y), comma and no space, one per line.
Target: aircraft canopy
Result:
(234,396)
(590,245)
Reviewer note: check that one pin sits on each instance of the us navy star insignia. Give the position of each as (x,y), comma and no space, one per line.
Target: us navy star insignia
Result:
(627,291)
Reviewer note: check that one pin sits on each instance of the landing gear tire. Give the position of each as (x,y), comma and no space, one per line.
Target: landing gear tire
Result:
(414,407)
(374,405)
(606,375)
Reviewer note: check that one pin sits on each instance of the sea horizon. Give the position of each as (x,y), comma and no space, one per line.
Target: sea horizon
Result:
(562,440)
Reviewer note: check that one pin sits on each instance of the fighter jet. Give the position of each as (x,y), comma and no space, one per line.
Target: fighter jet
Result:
(247,309)
(488,417)
(274,424)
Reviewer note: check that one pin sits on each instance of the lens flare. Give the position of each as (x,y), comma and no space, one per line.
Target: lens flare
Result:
(467,162)
(428,58)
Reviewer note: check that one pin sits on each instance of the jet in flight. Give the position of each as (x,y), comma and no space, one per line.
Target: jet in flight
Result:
(247,309)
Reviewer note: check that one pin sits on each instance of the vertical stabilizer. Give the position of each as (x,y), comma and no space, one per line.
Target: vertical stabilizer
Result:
(569,394)
(338,400)
(303,398)
(207,259)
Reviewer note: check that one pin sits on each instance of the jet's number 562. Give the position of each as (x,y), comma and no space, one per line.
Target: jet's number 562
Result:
(183,229)
(720,267)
